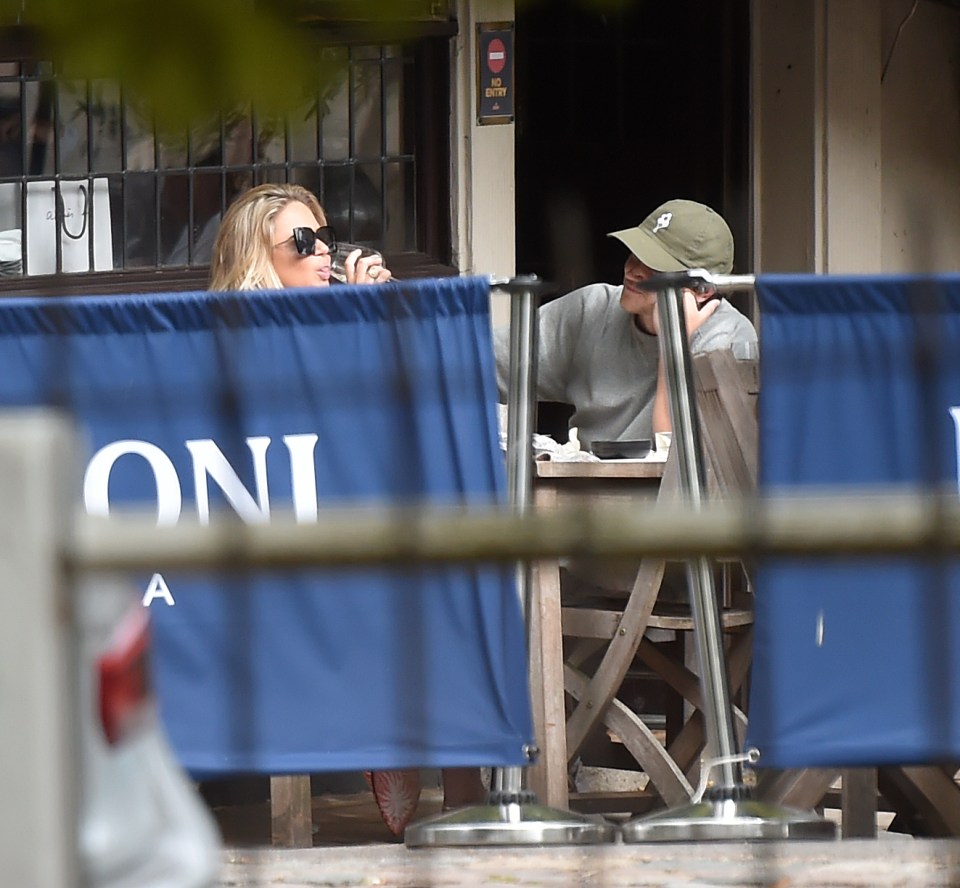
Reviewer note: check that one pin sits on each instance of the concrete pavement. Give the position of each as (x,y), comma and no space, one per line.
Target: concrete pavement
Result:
(882,863)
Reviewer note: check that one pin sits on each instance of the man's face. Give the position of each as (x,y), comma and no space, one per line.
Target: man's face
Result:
(634,299)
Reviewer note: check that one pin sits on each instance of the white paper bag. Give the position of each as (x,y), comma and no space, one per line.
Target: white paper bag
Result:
(70,211)
(65,211)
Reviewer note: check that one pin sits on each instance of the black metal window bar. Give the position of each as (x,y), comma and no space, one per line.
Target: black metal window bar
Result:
(87,185)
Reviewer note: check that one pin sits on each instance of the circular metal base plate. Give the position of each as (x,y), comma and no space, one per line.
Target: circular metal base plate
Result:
(728,821)
(512,824)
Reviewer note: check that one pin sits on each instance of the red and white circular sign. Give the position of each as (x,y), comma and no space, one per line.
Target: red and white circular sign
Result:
(496,55)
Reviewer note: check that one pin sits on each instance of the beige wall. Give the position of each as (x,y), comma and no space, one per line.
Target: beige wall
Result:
(852,174)
(921,139)
(484,239)
(786,155)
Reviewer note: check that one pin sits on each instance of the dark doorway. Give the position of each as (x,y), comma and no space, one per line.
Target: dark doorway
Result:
(621,106)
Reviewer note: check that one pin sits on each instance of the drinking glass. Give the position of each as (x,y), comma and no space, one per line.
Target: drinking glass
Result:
(339,256)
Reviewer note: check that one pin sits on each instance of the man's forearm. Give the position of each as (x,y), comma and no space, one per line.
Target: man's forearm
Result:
(661,404)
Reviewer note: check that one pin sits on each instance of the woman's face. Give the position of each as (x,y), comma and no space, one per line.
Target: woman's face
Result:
(293,269)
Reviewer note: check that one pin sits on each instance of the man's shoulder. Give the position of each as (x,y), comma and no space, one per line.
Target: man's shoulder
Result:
(730,315)
(591,299)
(724,327)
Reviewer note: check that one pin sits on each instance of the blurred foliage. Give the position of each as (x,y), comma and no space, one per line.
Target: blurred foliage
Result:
(183,61)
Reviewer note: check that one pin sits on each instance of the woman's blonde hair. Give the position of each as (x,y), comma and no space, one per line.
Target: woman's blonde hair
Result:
(242,253)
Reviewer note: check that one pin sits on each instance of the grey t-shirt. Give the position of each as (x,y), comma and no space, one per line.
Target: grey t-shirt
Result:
(593,356)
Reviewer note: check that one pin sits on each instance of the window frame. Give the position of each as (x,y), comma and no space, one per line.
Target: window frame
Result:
(429,44)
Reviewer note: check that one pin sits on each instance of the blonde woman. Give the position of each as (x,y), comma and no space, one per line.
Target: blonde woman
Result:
(275,236)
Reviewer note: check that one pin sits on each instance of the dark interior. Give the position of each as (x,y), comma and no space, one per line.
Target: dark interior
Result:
(618,111)
(620,107)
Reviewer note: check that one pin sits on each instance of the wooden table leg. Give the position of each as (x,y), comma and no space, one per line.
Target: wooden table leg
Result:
(291,816)
(858,795)
(926,792)
(796,787)
(547,777)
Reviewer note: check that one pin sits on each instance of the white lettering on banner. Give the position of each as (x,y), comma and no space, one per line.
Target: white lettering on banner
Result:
(96,480)
(955,413)
(209,462)
(157,588)
(208,459)
(303,476)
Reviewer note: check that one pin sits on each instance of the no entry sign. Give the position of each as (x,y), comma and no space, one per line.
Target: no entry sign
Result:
(496,55)
(495,73)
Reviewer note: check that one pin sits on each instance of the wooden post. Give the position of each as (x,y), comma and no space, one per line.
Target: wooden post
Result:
(40,740)
(291,815)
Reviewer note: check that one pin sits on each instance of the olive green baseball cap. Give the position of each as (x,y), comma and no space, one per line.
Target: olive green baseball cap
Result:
(681,234)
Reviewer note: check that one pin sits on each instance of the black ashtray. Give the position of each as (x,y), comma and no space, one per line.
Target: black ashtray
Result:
(622,449)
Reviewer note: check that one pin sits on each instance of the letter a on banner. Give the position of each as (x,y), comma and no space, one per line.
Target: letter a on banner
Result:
(157,588)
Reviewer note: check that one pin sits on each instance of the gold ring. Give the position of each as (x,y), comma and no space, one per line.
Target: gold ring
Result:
(374,273)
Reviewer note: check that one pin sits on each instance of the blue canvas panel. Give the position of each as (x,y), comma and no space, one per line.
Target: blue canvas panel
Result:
(240,406)
(857,660)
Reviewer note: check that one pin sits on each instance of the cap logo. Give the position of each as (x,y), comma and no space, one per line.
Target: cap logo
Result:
(663,221)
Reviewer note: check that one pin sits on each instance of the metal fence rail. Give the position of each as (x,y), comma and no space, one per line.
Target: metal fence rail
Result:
(901,523)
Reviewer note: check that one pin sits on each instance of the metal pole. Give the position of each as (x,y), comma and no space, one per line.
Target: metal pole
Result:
(512,815)
(726,812)
(678,367)
(522,399)
(521,423)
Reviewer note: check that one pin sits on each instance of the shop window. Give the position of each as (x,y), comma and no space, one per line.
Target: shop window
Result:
(92,195)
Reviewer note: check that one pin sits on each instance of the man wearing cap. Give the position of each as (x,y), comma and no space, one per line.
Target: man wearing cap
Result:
(598,345)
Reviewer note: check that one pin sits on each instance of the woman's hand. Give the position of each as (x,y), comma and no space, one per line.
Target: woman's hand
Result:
(366,270)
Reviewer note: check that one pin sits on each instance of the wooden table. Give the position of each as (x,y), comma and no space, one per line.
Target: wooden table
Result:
(561,483)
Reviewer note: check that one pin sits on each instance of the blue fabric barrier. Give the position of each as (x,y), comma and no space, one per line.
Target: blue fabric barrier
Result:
(857,660)
(220,403)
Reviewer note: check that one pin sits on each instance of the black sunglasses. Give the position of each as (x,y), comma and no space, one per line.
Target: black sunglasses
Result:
(305,239)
